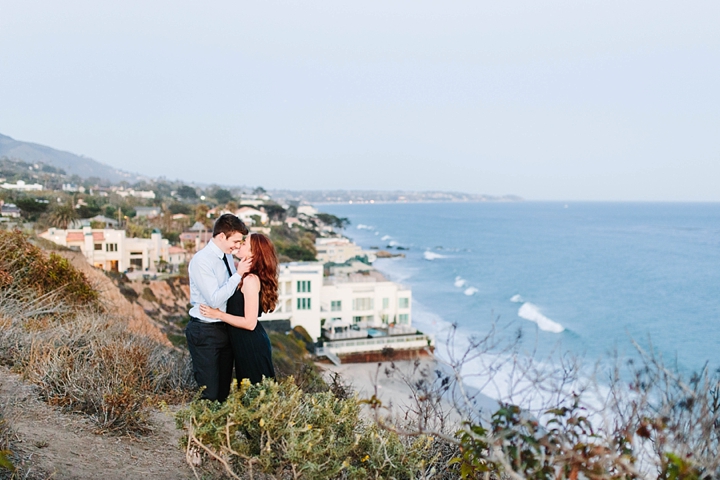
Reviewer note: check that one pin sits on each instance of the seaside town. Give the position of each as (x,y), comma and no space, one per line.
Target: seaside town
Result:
(149,231)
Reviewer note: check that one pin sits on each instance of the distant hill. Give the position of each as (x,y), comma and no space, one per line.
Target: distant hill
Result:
(368,196)
(71,163)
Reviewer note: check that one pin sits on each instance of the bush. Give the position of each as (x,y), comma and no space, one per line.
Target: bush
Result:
(277,429)
(85,360)
(24,266)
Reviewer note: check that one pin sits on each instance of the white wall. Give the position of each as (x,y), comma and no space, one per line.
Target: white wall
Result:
(376,302)
(289,276)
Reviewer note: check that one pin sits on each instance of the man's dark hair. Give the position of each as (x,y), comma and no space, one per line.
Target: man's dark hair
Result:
(229,224)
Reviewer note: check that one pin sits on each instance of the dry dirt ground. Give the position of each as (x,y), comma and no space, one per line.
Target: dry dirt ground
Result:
(54,445)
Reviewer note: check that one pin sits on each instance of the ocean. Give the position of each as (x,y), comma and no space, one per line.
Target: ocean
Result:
(583,278)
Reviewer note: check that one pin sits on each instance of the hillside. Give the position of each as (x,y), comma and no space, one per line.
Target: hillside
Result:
(71,163)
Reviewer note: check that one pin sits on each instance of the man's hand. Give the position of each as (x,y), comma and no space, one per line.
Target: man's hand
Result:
(243,266)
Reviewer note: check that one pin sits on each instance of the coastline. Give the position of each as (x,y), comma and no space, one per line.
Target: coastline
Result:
(391,382)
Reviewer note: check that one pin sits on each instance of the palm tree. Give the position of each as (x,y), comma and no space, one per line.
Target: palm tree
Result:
(62,215)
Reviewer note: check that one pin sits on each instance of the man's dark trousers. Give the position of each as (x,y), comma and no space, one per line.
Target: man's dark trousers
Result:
(212,357)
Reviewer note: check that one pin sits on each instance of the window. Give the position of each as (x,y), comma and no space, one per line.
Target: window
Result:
(357,319)
(288,288)
(335,305)
(384,318)
(111,247)
(404,318)
(136,262)
(366,303)
(303,304)
(98,246)
(403,303)
(303,286)
(386,302)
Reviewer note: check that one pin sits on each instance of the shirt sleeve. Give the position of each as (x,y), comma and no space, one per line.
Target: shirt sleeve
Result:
(215,295)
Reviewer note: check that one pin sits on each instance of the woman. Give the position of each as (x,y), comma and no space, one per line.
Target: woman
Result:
(257,293)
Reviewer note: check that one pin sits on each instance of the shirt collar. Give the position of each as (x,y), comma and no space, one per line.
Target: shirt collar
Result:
(215,249)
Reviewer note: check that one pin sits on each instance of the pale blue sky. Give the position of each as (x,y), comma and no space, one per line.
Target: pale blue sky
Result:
(551,100)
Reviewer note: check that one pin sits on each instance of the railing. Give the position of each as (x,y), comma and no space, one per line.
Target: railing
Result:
(400,342)
(324,352)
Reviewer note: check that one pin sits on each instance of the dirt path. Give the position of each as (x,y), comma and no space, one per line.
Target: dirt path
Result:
(59,446)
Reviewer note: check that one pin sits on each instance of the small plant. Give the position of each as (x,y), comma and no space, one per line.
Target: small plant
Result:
(275,428)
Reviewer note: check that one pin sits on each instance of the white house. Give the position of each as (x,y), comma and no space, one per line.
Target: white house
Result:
(147,194)
(22,186)
(177,256)
(112,250)
(300,286)
(308,210)
(9,210)
(246,214)
(71,187)
(149,212)
(365,299)
(336,250)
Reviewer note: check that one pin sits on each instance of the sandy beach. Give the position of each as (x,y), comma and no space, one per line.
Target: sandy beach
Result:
(393,386)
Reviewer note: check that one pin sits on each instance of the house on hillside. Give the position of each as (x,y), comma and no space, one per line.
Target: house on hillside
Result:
(249,215)
(178,256)
(22,186)
(112,250)
(339,250)
(357,316)
(9,210)
(196,237)
(148,212)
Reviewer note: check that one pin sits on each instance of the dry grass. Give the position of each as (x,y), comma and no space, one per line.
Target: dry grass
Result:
(86,360)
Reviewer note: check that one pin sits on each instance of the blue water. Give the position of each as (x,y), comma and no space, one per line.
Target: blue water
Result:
(606,272)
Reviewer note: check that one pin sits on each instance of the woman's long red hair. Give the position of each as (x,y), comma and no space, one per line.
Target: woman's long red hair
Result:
(265,266)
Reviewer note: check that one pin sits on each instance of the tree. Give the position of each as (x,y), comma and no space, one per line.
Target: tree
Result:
(259,191)
(223,196)
(177,207)
(62,215)
(32,207)
(187,192)
(274,211)
(333,221)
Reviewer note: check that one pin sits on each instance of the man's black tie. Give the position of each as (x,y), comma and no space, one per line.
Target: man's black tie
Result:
(227,265)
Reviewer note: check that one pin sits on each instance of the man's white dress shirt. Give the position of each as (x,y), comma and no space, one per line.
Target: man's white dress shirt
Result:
(210,283)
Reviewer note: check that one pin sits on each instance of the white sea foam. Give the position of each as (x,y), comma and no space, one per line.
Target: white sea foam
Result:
(470,291)
(517,299)
(386,237)
(432,255)
(364,227)
(393,243)
(460,282)
(531,312)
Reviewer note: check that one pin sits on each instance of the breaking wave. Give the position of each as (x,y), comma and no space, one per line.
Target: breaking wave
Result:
(432,255)
(460,282)
(470,291)
(517,299)
(364,227)
(531,312)
(386,237)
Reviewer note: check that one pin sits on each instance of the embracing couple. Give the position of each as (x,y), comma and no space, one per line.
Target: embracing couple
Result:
(226,303)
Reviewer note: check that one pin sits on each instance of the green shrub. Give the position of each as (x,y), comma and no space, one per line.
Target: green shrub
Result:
(276,428)
(25,266)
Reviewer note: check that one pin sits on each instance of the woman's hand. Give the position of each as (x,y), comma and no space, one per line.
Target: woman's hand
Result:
(210,312)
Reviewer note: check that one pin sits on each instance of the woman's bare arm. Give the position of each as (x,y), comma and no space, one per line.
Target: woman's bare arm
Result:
(250,290)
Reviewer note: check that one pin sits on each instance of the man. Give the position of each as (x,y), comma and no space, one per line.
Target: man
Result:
(213,279)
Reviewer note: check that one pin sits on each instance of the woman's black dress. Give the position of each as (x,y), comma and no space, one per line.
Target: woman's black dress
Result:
(253,354)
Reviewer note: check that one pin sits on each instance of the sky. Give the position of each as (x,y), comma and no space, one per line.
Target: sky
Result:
(552,100)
